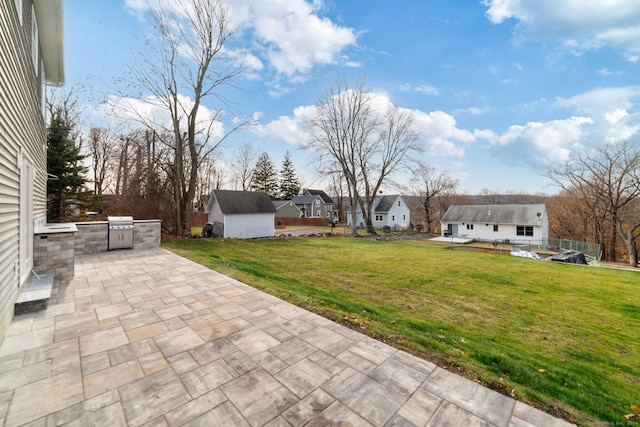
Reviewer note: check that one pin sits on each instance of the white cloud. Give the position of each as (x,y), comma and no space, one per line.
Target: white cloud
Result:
(602,100)
(289,129)
(478,110)
(441,135)
(290,35)
(576,25)
(425,89)
(613,109)
(607,72)
(438,130)
(125,113)
(538,144)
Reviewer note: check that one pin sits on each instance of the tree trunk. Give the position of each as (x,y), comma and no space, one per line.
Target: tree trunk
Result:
(630,240)
(633,253)
(427,212)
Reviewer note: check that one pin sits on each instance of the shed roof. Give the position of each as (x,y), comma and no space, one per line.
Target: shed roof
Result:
(243,202)
(495,214)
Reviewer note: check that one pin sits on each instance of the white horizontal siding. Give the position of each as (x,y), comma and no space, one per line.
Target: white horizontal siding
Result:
(248,226)
(22,131)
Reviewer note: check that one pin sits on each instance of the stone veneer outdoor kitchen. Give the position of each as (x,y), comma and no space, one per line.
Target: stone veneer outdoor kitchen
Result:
(55,245)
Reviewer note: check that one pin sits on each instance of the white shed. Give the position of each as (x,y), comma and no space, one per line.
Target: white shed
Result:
(243,214)
(524,223)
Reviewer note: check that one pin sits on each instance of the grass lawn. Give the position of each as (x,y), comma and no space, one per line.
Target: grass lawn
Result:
(564,338)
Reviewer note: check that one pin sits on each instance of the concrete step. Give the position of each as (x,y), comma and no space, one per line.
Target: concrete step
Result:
(35,294)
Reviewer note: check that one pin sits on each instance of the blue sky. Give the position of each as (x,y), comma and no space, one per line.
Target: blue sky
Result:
(499,89)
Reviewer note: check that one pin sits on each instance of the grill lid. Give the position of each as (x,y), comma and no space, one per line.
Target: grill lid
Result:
(120,220)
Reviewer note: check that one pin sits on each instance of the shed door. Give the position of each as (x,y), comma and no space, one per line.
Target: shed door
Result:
(453,229)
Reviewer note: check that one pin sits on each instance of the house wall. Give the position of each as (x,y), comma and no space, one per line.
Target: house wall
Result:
(215,214)
(399,217)
(22,139)
(288,211)
(505,232)
(249,226)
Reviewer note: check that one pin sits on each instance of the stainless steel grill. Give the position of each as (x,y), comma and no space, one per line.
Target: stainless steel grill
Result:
(120,232)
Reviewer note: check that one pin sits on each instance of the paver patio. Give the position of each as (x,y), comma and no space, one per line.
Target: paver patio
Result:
(149,338)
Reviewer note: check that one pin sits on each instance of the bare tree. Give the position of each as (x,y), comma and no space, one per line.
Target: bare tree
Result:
(184,66)
(367,146)
(381,158)
(209,179)
(429,185)
(243,163)
(101,149)
(608,180)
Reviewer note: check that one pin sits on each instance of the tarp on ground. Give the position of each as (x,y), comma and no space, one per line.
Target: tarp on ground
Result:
(573,257)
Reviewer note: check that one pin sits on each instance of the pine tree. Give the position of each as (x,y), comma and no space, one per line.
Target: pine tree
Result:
(289,183)
(265,176)
(64,166)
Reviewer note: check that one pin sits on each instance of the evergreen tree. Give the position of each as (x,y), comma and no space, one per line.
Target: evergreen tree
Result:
(289,183)
(64,164)
(264,176)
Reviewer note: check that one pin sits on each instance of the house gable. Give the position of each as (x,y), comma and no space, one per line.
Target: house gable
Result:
(324,196)
(286,209)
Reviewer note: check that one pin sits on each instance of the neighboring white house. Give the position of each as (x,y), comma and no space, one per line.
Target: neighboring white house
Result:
(243,214)
(31,43)
(526,223)
(389,211)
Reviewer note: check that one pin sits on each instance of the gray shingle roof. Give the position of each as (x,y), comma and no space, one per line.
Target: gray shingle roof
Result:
(494,214)
(303,200)
(324,196)
(244,202)
(386,202)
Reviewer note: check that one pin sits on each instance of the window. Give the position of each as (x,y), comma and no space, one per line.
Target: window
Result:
(317,203)
(393,217)
(404,217)
(318,214)
(379,218)
(469,226)
(398,202)
(34,40)
(495,228)
(522,230)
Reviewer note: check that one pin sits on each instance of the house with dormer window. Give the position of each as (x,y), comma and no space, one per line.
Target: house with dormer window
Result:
(315,204)
(389,211)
